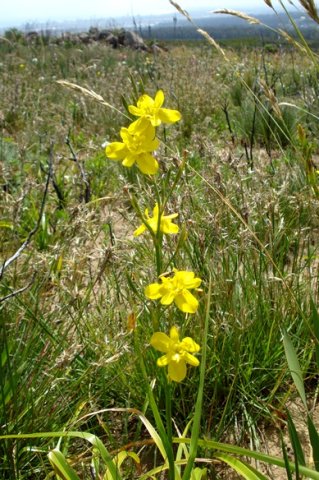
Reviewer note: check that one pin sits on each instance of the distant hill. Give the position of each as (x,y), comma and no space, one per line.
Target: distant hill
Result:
(176,27)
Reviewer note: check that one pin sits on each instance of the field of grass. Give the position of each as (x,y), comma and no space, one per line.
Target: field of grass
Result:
(243,168)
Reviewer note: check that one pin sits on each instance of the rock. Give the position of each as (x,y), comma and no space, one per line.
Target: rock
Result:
(131,39)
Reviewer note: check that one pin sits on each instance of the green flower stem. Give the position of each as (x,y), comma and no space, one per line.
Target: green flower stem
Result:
(158,238)
(167,441)
(158,242)
(168,404)
(177,179)
(199,402)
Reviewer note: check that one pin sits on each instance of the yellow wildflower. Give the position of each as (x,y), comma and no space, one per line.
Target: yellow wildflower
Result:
(165,222)
(151,109)
(177,353)
(138,143)
(176,289)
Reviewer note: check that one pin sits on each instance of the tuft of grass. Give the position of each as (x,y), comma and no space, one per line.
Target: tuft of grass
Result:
(67,348)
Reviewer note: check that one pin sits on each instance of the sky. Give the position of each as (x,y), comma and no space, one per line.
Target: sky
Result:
(22,11)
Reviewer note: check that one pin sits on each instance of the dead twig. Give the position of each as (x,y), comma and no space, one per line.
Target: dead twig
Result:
(17,292)
(25,244)
(87,192)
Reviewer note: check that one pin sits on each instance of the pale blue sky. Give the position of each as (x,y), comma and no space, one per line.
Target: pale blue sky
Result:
(22,11)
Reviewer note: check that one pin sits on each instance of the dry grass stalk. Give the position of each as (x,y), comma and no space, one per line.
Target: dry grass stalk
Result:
(290,39)
(181,11)
(311,9)
(269,4)
(270,95)
(88,93)
(212,41)
(235,13)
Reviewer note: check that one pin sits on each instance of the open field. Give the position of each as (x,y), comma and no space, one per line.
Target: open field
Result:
(247,197)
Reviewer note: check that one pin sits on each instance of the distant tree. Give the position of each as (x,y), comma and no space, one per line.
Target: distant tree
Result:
(14,35)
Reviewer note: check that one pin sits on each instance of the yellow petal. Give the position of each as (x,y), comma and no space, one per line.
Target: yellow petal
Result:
(150,143)
(134,111)
(139,230)
(139,126)
(152,291)
(155,120)
(186,302)
(116,150)
(188,279)
(160,341)
(189,345)
(147,163)
(159,99)
(129,160)
(173,333)
(168,298)
(155,210)
(190,359)
(125,135)
(162,361)
(168,227)
(177,371)
(145,102)
(169,116)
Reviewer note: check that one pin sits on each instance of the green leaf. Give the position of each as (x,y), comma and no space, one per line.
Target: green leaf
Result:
(61,467)
(286,459)
(294,367)
(199,474)
(295,442)
(315,323)
(6,224)
(119,459)
(262,457)
(125,104)
(314,440)
(245,470)
(89,437)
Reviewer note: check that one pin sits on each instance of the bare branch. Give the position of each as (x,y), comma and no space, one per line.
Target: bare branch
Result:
(17,292)
(87,193)
(17,254)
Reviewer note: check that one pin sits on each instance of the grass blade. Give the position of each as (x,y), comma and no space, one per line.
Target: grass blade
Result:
(294,367)
(89,437)
(295,442)
(61,467)
(286,459)
(246,471)
(199,402)
(314,440)
(315,324)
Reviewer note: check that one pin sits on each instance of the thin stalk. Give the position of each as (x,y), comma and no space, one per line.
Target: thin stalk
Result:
(167,442)
(199,402)
(168,413)
(158,239)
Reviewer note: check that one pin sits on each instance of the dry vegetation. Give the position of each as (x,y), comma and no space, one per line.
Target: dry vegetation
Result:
(67,349)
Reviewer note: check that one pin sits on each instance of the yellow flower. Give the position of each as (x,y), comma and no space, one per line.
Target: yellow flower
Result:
(177,354)
(176,289)
(150,108)
(138,143)
(165,223)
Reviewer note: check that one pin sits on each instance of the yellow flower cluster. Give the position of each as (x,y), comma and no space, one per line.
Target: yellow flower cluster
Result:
(138,140)
(164,223)
(176,289)
(138,145)
(178,353)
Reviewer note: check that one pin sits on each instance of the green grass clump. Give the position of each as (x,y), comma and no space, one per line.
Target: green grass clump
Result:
(248,212)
